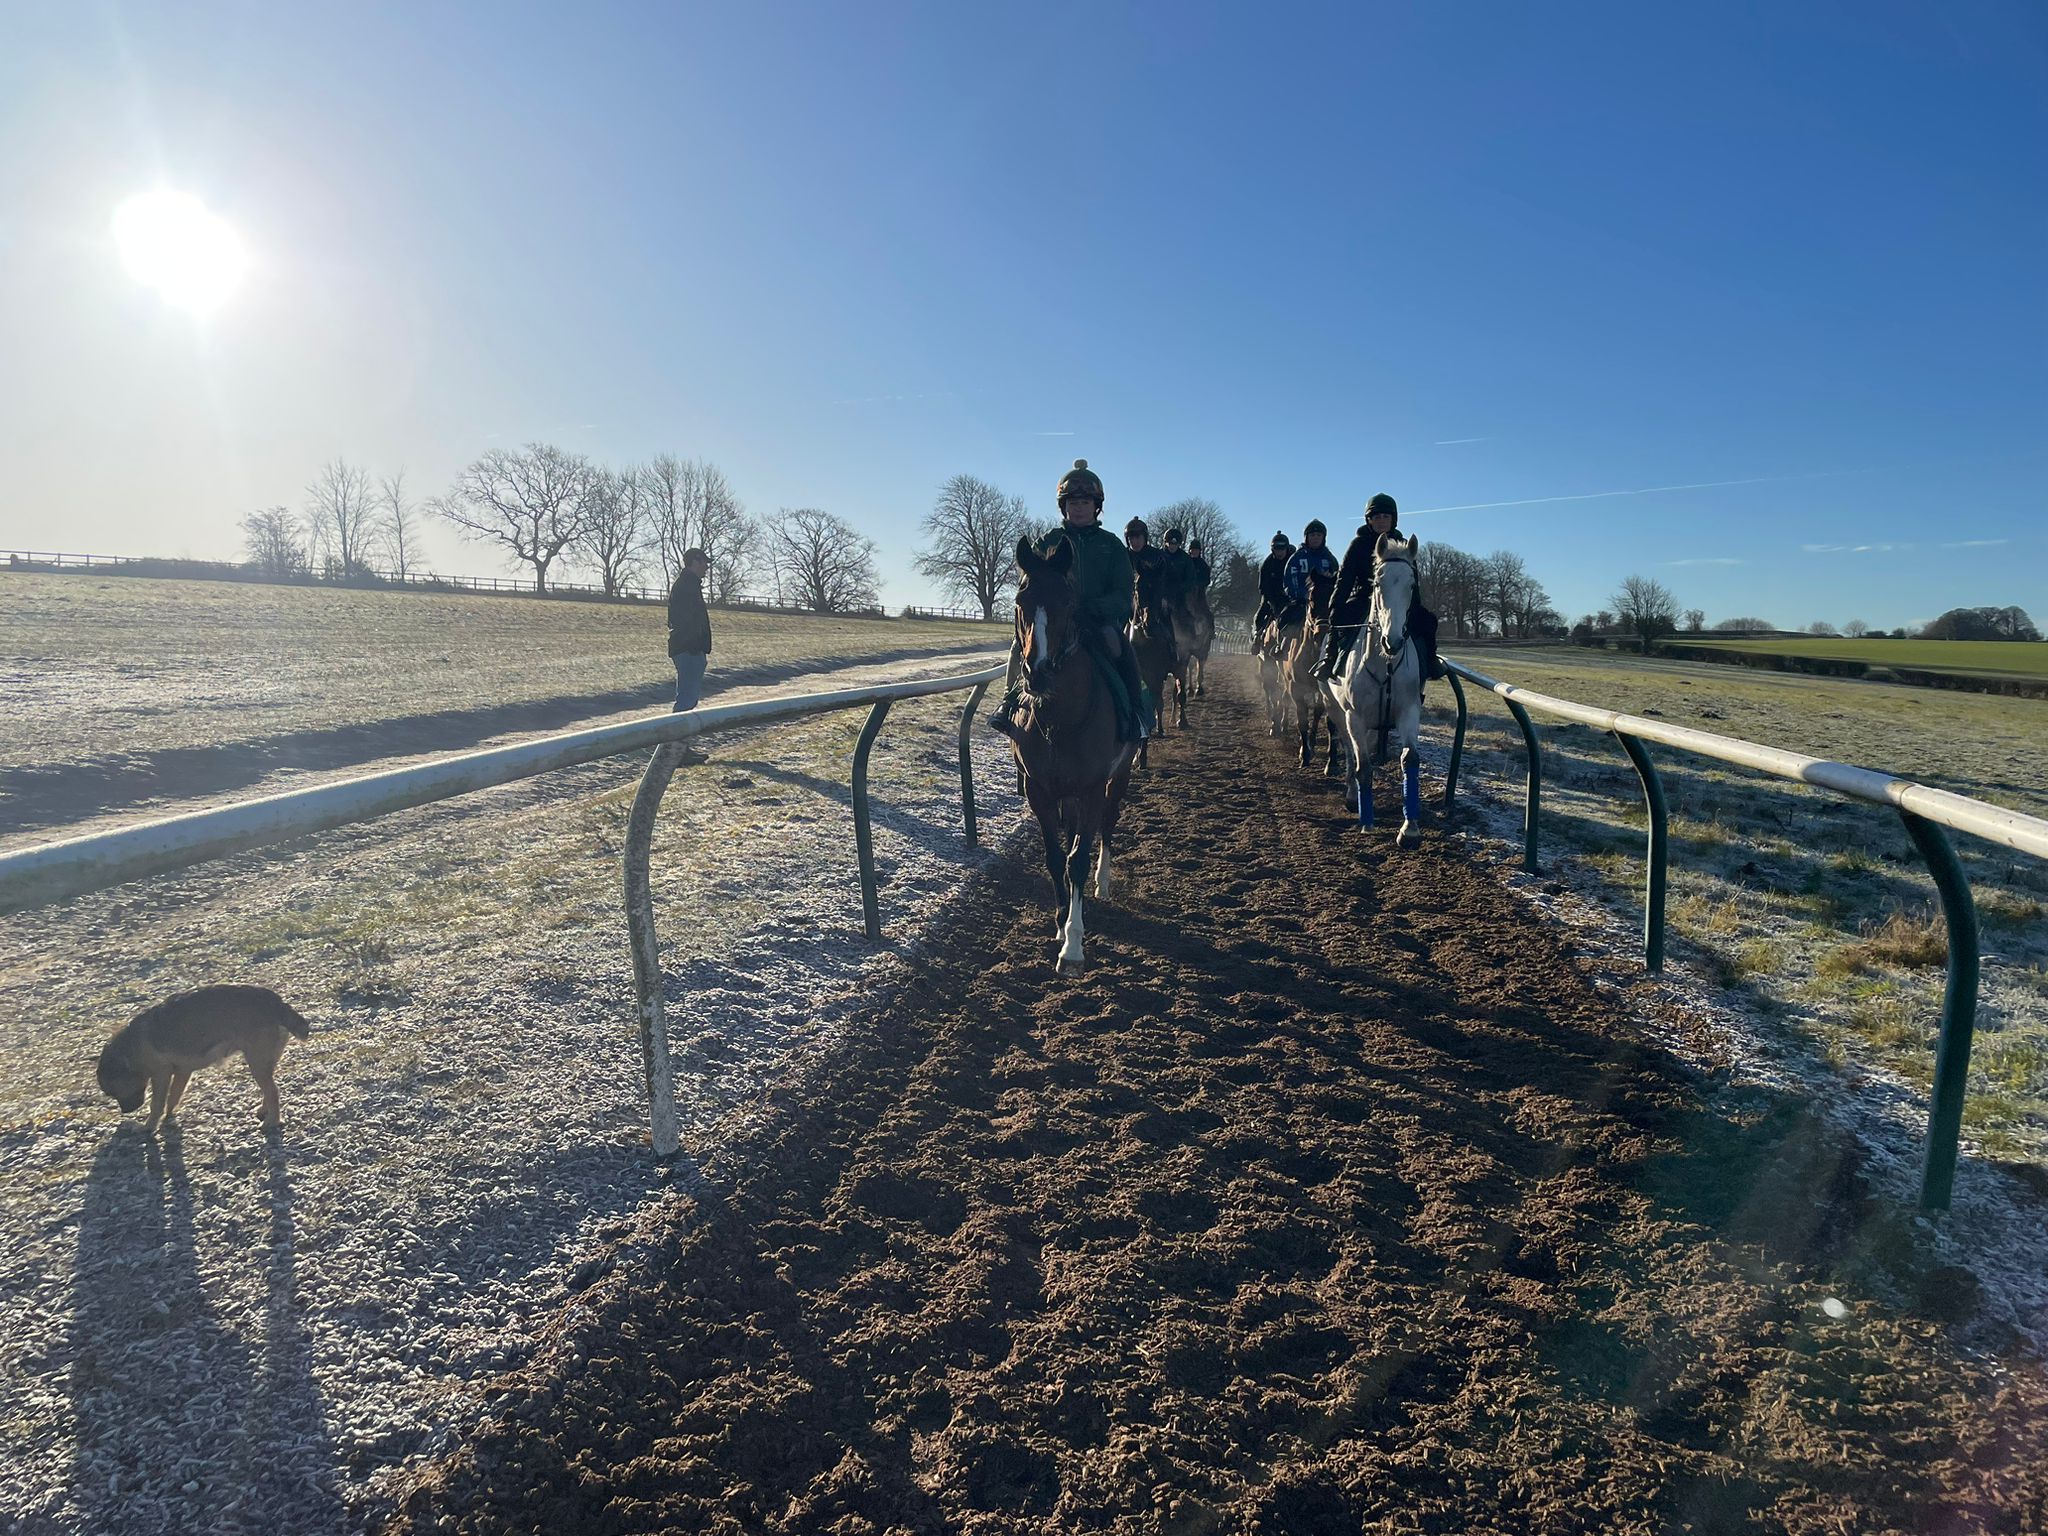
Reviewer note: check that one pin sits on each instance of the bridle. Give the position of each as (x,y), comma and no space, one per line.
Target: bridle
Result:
(1040,674)
(1380,621)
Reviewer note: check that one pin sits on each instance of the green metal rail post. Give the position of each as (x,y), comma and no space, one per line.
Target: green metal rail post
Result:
(1457,742)
(1659,852)
(1533,801)
(967,762)
(1958,1011)
(863,836)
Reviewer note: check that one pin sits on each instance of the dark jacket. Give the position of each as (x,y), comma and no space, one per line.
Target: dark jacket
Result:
(1273,578)
(1354,580)
(1149,575)
(689,622)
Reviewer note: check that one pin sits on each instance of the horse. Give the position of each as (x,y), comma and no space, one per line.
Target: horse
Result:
(1152,645)
(1271,646)
(1297,673)
(1075,766)
(1194,632)
(1379,689)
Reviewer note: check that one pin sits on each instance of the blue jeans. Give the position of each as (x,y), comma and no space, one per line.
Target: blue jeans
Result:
(689,680)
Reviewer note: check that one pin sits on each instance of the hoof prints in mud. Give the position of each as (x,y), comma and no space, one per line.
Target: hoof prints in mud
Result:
(1363,1228)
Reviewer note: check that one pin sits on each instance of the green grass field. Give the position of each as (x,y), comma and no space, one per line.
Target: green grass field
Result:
(1974,658)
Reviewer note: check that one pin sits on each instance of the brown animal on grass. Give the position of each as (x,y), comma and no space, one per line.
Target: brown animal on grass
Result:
(161,1047)
(1075,765)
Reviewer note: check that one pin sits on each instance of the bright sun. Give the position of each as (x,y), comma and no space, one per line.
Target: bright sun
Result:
(174,244)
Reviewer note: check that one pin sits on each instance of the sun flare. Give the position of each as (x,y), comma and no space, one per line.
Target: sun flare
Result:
(173,243)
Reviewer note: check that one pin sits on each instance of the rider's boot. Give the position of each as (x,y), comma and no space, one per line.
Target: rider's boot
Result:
(1326,664)
(1003,720)
(1127,674)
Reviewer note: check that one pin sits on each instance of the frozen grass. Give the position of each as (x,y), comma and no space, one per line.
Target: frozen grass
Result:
(1816,910)
(98,666)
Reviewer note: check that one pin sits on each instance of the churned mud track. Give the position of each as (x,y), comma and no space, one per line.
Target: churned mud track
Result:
(1332,1198)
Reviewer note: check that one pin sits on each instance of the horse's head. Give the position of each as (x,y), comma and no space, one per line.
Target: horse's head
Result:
(1393,588)
(1046,626)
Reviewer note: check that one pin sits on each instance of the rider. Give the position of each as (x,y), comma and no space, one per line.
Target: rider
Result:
(1313,557)
(1352,604)
(1198,567)
(1148,571)
(1272,586)
(1103,587)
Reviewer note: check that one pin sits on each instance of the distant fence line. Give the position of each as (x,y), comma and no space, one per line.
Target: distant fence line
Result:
(370,579)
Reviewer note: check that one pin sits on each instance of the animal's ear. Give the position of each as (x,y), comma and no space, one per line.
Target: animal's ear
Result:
(1414,546)
(1062,559)
(1379,548)
(1027,557)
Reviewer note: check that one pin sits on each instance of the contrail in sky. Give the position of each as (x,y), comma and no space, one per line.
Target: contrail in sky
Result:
(1448,442)
(1648,490)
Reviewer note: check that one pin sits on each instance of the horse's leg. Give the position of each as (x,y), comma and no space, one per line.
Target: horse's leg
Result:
(1411,798)
(1409,722)
(1333,760)
(1046,807)
(1112,811)
(1072,958)
(1180,697)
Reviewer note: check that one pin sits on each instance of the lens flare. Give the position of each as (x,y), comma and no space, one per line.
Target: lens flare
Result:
(173,243)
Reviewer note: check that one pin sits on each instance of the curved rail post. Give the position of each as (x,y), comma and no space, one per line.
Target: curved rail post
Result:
(967,762)
(1457,743)
(863,836)
(647,981)
(1532,804)
(1659,852)
(1958,1011)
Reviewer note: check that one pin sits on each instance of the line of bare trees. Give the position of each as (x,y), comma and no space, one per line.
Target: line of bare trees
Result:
(546,508)
(1477,595)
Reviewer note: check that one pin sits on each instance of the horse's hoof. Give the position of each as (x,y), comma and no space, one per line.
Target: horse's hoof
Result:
(1408,838)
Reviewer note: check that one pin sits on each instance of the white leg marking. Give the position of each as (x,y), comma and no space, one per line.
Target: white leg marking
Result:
(1071,958)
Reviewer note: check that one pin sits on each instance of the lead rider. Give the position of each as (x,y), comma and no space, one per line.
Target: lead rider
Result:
(1103,590)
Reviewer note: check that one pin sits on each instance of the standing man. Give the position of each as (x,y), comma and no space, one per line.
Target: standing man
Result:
(689,637)
(1103,592)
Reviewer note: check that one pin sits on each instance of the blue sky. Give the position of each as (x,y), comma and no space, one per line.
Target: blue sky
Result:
(1502,259)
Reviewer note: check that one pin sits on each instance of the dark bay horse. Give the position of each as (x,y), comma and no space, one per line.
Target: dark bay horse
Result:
(1076,768)
(1152,644)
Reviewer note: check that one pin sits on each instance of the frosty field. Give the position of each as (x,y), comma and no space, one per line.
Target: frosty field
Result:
(1816,911)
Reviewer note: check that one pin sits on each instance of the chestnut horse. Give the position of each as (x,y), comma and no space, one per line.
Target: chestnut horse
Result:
(1076,768)
(1297,675)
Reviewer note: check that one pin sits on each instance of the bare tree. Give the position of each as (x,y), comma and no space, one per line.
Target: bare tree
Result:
(341,514)
(821,562)
(1646,608)
(1820,627)
(1745,626)
(1204,523)
(691,506)
(1508,592)
(1455,583)
(275,547)
(535,502)
(400,528)
(973,528)
(616,539)
(1855,629)
(1695,620)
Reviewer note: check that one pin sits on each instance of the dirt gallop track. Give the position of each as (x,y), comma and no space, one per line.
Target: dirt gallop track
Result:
(1333,1198)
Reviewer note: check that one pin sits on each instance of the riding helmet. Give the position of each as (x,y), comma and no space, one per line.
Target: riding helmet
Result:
(1081,481)
(1173,537)
(1383,503)
(1281,541)
(1137,525)
(1315,526)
